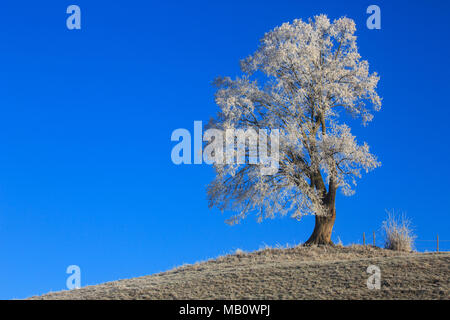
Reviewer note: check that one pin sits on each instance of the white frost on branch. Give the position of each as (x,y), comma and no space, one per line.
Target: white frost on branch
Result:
(298,81)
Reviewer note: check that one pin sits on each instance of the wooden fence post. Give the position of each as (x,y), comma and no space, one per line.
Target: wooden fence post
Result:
(437,242)
(364,238)
(373,238)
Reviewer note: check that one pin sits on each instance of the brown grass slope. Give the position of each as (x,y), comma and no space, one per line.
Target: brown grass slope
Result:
(293,273)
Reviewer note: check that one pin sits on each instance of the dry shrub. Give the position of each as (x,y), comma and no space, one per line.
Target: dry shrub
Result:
(398,234)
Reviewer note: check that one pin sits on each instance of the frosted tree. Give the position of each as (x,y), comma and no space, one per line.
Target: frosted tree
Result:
(304,79)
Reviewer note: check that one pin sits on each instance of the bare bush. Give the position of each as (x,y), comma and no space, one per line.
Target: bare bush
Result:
(398,234)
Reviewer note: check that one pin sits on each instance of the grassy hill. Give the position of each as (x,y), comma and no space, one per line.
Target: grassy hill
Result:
(292,273)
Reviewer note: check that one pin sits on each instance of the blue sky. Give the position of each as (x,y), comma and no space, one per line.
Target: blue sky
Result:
(86,117)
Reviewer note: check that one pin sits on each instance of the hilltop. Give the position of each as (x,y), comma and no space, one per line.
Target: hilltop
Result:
(287,273)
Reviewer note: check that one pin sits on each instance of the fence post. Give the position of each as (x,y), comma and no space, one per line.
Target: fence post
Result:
(373,232)
(437,242)
(364,238)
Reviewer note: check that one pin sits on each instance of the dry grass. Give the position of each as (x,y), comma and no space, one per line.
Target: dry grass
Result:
(292,273)
(398,233)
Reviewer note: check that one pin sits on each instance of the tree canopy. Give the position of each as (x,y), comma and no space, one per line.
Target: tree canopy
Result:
(300,80)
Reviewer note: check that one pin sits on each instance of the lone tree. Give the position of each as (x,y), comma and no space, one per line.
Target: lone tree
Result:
(301,78)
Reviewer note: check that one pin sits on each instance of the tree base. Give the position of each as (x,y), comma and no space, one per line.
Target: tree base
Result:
(322,231)
(318,243)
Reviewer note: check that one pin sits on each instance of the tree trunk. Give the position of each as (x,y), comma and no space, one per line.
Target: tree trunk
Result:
(322,230)
(324,224)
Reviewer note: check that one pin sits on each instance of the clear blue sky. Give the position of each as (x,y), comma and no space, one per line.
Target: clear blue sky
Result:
(86,117)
